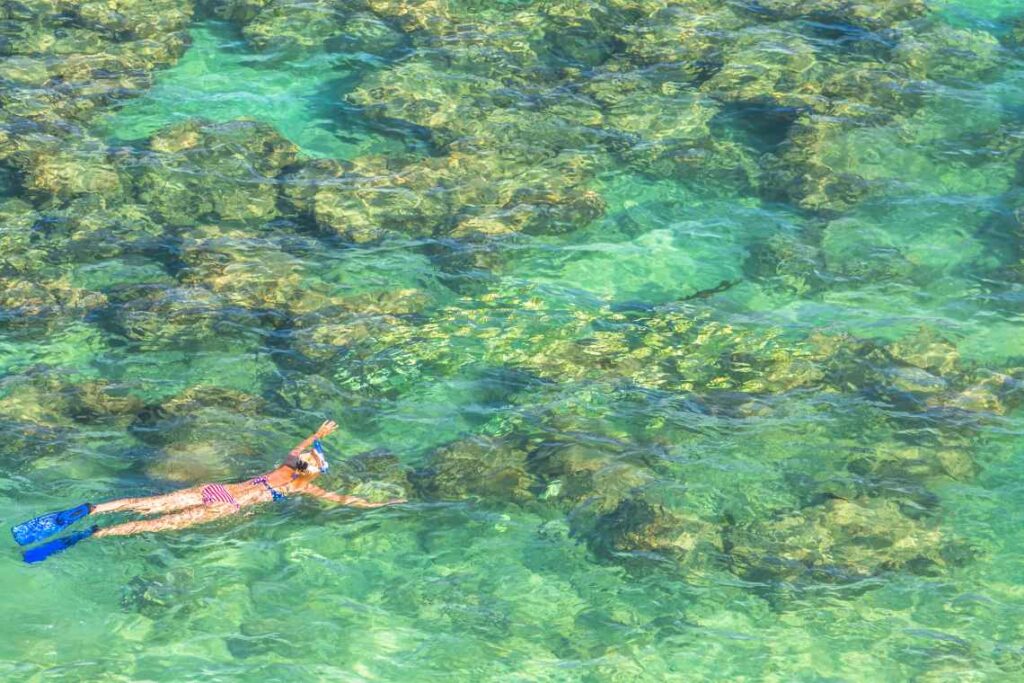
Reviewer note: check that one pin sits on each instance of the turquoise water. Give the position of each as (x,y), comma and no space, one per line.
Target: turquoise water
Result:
(693,332)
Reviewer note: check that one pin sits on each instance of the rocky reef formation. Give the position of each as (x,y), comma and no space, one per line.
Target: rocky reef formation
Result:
(213,235)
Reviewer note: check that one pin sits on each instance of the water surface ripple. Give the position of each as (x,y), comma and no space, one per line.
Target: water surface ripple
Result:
(693,330)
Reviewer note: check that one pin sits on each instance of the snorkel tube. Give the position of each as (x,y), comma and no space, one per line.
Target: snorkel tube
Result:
(318,450)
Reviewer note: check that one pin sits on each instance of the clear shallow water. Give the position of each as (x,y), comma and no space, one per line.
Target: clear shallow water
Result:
(830,444)
(219,79)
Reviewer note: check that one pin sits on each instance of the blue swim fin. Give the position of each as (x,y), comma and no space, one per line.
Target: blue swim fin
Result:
(41,552)
(45,526)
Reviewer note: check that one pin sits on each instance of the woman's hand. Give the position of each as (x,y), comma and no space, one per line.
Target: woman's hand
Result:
(326,429)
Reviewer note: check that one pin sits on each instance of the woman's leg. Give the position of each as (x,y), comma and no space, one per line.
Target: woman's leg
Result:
(179,520)
(179,500)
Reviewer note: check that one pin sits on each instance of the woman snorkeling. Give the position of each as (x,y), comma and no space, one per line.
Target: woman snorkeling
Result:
(196,505)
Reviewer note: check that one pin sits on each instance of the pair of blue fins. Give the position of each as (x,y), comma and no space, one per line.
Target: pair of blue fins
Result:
(44,526)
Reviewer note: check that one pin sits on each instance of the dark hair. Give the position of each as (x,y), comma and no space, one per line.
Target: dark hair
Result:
(296,463)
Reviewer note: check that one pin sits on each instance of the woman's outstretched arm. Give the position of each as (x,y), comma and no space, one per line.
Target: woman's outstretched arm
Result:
(324,431)
(351,501)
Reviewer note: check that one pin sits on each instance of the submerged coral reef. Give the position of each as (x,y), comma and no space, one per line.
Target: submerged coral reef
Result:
(214,237)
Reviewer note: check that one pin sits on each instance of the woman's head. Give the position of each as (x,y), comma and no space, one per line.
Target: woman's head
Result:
(303,463)
(308,462)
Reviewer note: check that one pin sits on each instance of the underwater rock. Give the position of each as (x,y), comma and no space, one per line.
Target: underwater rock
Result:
(28,399)
(947,54)
(495,196)
(190,429)
(300,183)
(291,28)
(928,350)
(26,440)
(151,598)
(96,231)
(220,171)
(799,172)
(34,301)
(247,271)
(913,380)
(676,115)
(485,467)
(889,373)
(93,53)
(787,261)
(46,396)
(375,475)
(595,474)
(17,228)
(364,32)
(195,460)
(771,66)
(506,46)
(417,15)
(118,19)
(687,38)
(82,234)
(870,14)
(418,93)
(60,176)
(577,36)
(357,326)
(714,162)
(550,210)
(205,396)
(376,354)
(373,202)
(901,464)
(461,195)
(859,249)
(404,302)
(652,121)
(871,93)
(98,399)
(323,341)
(996,394)
(1009,658)
(238,11)
(667,133)
(479,114)
(1016,35)
(304,391)
(637,529)
(174,317)
(837,541)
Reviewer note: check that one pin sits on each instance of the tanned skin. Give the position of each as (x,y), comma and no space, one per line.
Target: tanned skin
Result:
(185,508)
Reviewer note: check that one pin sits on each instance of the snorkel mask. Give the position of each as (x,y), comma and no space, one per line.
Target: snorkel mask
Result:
(321,458)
